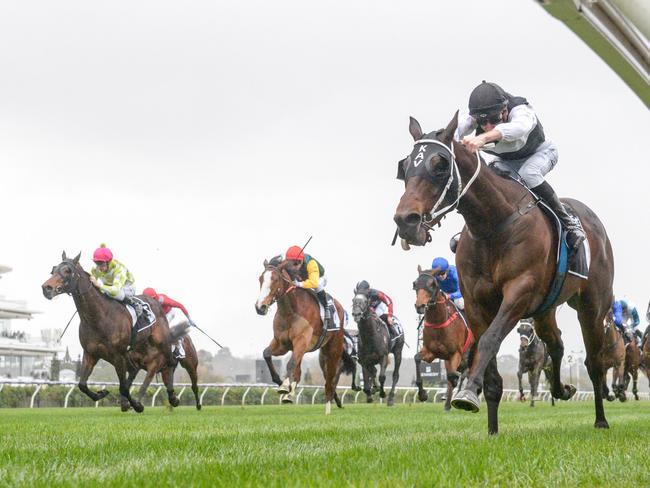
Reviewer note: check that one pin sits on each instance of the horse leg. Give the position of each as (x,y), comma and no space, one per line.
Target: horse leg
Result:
(191,371)
(397,355)
(422,393)
(619,389)
(130,378)
(332,353)
(512,308)
(493,390)
(635,377)
(121,369)
(87,365)
(150,373)
(452,378)
(547,330)
(274,349)
(520,374)
(168,379)
(294,371)
(367,383)
(382,376)
(533,379)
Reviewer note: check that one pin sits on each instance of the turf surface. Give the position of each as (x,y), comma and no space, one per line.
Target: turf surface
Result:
(362,445)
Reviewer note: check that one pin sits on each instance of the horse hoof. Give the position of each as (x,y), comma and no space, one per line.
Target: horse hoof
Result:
(622,397)
(390,402)
(285,387)
(466,400)
(286,398)
(601,424)
(198,407)
(611,398)
(382,394)
(423,396)
(569,391)
(102,394)
(369,400)
(174,402)
(138,407)
(125,407)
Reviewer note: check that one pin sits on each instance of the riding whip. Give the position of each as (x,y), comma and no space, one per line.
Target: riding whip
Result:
(303,247)
(66,327)
(395,237)
(205,333)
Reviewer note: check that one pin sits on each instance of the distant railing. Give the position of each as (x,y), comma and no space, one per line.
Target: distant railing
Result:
(35,393)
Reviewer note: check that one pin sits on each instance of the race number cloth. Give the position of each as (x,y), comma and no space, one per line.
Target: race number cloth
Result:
(336,320)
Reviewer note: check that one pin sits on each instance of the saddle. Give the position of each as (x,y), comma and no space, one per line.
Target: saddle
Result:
(336,321)
(146,320)
(578,265)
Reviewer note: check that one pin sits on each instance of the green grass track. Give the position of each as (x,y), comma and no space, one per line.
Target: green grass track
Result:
(362,445)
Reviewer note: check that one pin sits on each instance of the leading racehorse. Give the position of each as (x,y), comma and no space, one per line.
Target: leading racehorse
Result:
(297,327)
(506,261)
(105,333)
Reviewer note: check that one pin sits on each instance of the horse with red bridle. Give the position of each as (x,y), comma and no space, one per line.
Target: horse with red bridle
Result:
(445,335)
(298,327)
(506,261)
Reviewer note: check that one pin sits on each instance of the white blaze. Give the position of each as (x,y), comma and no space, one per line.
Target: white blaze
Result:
(265,289)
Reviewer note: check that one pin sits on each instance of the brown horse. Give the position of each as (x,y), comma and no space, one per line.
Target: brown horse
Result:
(445,335)
(632,363)
(506,261)
(190,363)
(613,356)
(105,333)
(297,327)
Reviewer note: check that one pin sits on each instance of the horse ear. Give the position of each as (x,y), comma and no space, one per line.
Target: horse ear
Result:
(76,259)
(415,129)
(448,134)
(266,263)
(419,269)
(63,256)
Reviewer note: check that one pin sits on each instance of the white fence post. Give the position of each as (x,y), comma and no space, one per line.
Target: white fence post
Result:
(243,398)
(203,394)
(31,402)
(153,399)
(67,396)
(313,397)
(223,397)
(181,393)
(263,395)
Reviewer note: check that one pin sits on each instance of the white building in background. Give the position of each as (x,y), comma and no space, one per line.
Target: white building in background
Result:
(21,354)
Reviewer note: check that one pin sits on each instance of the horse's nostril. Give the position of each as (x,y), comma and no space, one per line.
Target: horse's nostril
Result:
(412,219)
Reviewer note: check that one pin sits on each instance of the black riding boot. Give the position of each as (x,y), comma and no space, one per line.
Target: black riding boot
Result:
(137,307)
(575,233)
(322,297)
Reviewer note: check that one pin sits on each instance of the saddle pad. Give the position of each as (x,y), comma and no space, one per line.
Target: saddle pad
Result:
(148,317)
(349,344)
(579,263)
(397,325)
(335,316)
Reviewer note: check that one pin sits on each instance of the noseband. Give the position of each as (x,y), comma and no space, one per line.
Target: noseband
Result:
(530,338)
(291,287)
(425,282)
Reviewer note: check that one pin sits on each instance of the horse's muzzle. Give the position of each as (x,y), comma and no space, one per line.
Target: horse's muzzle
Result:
(420,308)
(262,309)
(48,292)
(410,228)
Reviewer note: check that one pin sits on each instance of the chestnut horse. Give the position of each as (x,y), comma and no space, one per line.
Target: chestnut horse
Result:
(445,334)
(297,327)
(105,333)
(632,363)
(506,261)
(613,356)
(533,359)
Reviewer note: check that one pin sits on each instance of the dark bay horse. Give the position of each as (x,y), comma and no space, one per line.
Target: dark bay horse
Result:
(297,327)
(632,364)
(613,356)
(105,333)
(445,335)
(506,261)
(645,352)
(374,347)
(533,359)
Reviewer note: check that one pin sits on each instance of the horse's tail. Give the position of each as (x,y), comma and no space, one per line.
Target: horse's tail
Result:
(349,364)
(178,331)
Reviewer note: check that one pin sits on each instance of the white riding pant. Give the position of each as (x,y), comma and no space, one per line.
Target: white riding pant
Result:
(382,309)
(322,283)
(533,168)
(179,344)
(127,291)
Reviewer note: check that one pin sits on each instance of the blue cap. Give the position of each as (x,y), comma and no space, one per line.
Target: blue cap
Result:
(441,263)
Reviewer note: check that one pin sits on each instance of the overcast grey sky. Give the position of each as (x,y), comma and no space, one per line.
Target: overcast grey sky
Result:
(199,138)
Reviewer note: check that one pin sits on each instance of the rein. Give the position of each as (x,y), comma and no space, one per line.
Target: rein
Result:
(292,287)
(71,285)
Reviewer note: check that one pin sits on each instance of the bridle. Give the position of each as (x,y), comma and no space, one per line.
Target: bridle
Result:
(530,338)
(447,153)
(71,283)
(290,288)
(426,282)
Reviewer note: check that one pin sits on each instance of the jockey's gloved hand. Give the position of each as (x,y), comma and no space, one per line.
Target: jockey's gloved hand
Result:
(298,283)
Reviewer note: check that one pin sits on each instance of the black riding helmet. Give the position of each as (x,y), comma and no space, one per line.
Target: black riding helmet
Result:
(362,287)
(486,100)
